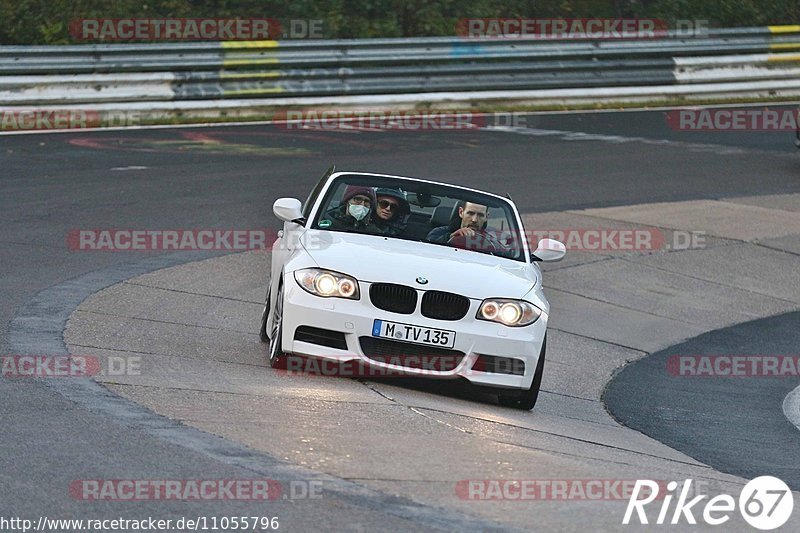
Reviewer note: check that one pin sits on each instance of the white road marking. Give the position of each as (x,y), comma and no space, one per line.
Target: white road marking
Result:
(132,167)
(620,139)
(791,407)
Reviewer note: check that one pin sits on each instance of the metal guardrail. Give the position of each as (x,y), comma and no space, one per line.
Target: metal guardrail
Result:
(107,73)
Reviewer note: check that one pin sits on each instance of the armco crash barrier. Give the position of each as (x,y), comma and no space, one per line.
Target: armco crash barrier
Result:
(233,74)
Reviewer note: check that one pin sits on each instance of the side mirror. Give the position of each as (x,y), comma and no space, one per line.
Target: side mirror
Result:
(289,210)
(549,250)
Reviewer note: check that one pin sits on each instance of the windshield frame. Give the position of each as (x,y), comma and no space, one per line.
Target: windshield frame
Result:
(385,180)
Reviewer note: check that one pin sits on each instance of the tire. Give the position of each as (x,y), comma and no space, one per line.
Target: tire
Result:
(262,333)
(277,358)
(526,400)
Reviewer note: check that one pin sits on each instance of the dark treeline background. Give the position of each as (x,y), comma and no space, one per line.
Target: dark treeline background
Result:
(47,21)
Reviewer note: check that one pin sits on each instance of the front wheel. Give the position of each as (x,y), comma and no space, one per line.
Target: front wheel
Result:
(277,358)
(264,315)
(526,400)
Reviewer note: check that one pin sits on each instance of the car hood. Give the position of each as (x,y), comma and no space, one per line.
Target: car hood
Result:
(380,259)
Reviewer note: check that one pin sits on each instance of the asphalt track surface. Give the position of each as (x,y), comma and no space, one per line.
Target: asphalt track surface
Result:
(229,177)
(694,415)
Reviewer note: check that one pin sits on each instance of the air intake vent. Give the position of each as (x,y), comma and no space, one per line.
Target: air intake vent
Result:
(444,305)
(393,298)
(410,355)
(322,337)
(499,365)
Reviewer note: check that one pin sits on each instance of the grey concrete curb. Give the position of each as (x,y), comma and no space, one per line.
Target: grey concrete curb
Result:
(38,328)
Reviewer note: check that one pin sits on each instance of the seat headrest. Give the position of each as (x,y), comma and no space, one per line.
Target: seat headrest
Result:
(442,216)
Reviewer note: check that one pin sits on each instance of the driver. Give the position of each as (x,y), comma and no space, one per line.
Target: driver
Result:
(468,228)
(473,219)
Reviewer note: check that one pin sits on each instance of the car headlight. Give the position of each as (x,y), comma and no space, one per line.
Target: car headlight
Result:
(514,313)
(327,284)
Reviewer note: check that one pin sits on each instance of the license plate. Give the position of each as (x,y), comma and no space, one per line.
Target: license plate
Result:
(440,338)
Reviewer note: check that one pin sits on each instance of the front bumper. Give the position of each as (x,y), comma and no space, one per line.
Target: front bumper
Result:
(354,319)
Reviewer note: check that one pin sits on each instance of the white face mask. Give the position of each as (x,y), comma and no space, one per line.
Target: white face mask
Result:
(358,212)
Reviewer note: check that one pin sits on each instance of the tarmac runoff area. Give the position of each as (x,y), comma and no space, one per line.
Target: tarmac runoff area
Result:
(192,329)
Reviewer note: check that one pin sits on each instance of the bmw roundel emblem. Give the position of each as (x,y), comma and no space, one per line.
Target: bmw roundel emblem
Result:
(422,281)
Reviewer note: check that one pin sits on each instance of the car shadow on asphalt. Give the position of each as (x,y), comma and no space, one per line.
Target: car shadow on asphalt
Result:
(459,388)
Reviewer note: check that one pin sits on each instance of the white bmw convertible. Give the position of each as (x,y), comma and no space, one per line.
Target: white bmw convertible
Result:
(411,276)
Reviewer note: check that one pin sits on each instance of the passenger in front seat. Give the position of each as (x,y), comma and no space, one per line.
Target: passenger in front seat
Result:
(391,214)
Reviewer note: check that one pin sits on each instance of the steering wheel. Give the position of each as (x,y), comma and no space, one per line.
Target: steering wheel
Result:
(481,241)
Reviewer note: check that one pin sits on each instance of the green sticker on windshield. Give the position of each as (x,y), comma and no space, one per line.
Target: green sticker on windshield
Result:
(325,223)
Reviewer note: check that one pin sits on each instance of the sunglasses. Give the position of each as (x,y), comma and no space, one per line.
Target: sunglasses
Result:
(391,206)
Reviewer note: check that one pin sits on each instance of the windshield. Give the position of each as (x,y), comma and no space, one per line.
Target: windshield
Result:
(421,212)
